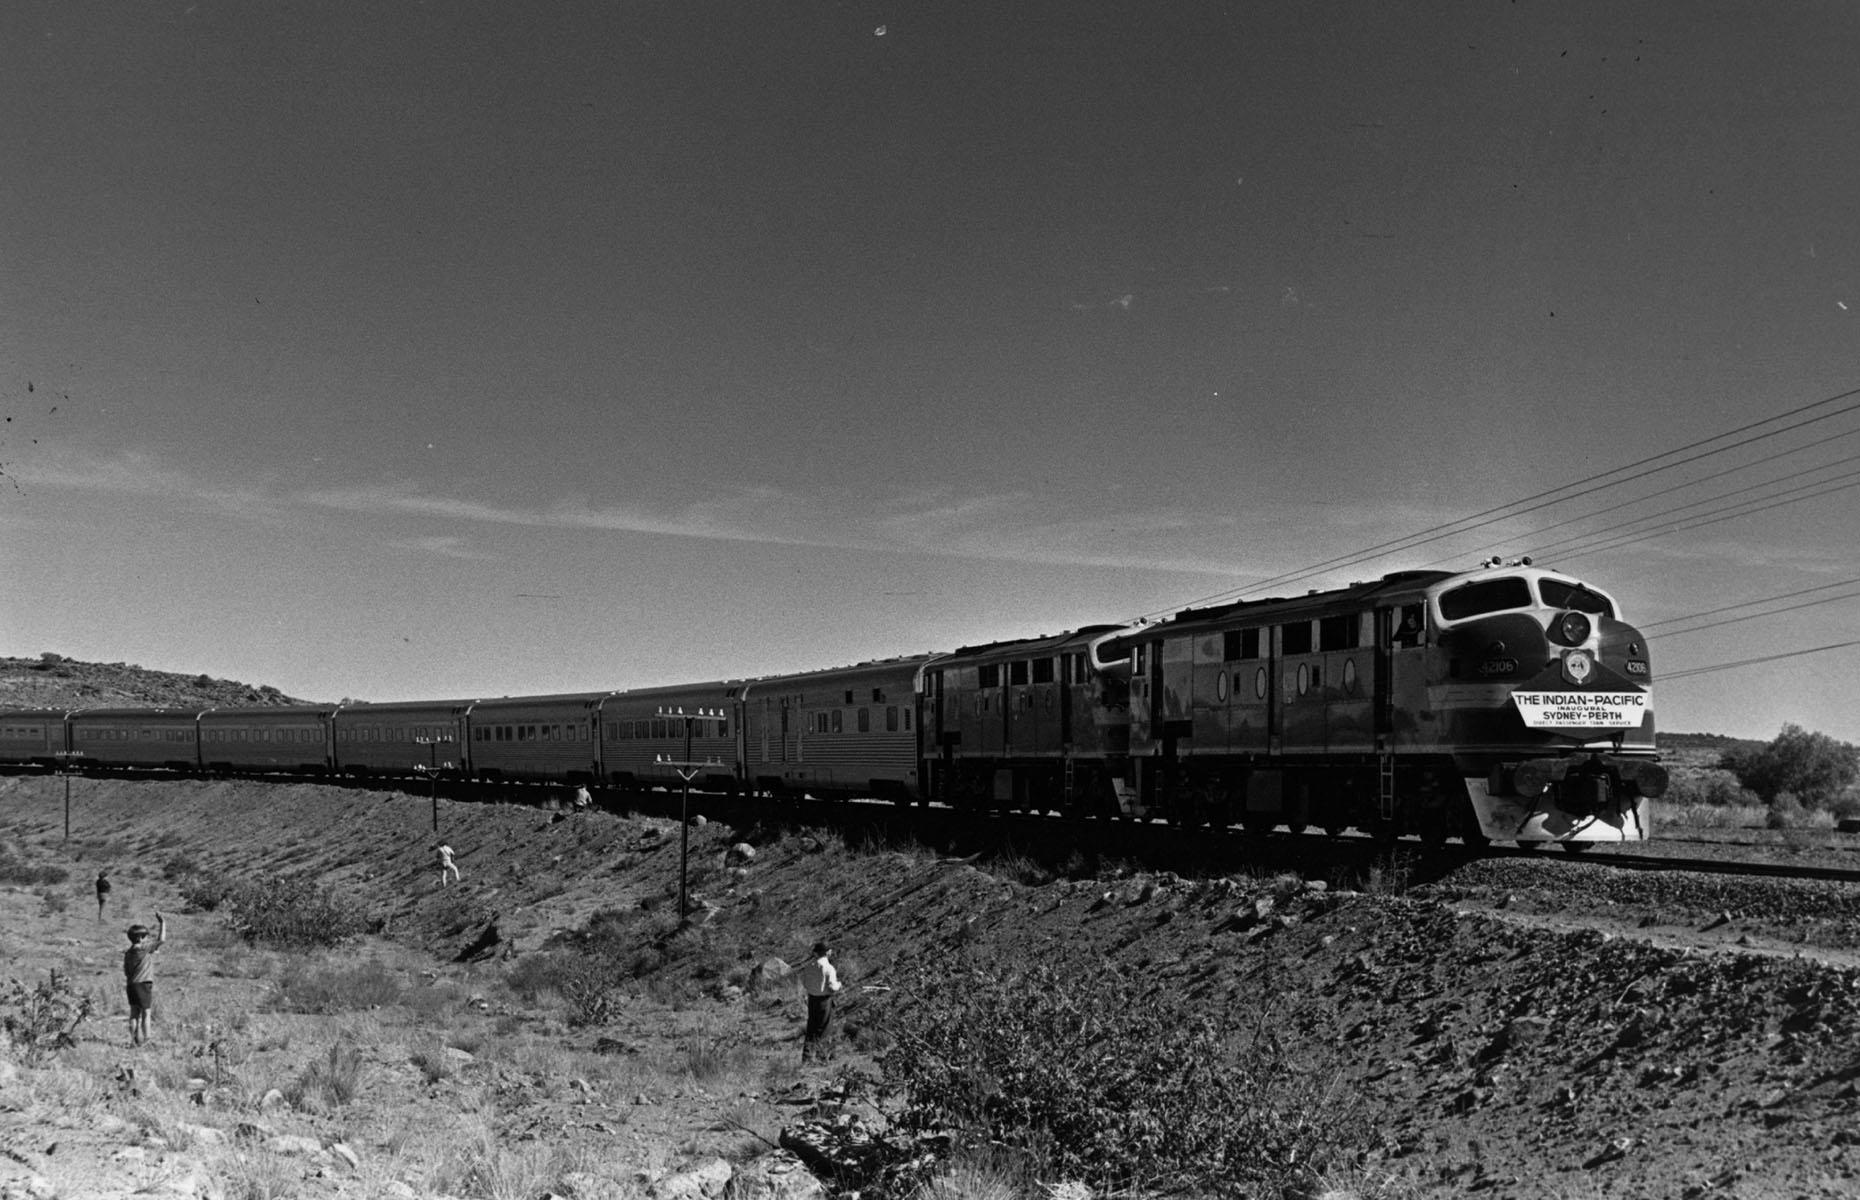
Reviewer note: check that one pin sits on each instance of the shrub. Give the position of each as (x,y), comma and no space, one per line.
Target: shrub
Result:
(334,1081)
(292,911)
(44,1017)
(1105,1081)
(1813,766)
(15,869)
(338,989)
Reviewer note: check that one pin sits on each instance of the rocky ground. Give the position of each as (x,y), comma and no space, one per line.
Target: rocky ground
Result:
(1523,1027)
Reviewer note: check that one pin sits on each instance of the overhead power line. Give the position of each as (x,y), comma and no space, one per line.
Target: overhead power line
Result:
(1723,608)
(1601,481)
(1751,662)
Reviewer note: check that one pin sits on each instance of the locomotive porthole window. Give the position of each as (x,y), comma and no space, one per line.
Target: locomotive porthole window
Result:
(1304,678)
(1349,676)
(1220,686)
(1259,684)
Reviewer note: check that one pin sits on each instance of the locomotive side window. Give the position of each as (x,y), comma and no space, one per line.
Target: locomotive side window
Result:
(989,675)
(1017,672)
(1558,594)
(1340,633)
(1043,670)
(1239,644)
(1295,638)
(1486,596)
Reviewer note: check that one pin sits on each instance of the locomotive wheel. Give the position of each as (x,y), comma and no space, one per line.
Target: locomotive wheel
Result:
(1257,824)
(1530,845)
(1336,831)
(1576,847)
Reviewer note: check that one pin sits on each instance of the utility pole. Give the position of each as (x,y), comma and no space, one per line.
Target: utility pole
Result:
(67,759)
(687,770)
(431,769)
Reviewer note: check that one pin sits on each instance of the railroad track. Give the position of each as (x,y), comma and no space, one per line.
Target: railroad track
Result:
(1058,842)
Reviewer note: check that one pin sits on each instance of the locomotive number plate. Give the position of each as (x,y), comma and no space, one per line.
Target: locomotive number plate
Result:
(1580,710)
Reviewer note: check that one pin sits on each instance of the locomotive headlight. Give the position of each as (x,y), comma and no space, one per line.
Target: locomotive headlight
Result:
(1578,666)
(1571,629)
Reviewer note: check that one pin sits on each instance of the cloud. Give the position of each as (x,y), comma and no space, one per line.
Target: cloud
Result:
(1019,525)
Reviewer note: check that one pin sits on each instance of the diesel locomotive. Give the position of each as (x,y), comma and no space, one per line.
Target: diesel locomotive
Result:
(1508,703)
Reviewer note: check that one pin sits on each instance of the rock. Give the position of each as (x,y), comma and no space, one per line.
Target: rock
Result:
(703,1182)
(294,1144)
(741,852)
(777,1175)
(341,1150)
(769,970)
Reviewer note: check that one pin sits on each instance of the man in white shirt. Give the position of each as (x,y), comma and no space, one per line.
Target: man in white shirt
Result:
(820,981)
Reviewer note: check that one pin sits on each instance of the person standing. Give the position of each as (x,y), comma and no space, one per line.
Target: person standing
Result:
(821,982)
(448,870)
(103,891)
(139,976)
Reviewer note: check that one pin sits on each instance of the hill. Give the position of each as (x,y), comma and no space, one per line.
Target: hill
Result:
(54,681)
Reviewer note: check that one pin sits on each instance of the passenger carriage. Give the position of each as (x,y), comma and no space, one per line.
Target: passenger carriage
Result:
(643,738)
(150,738)
(32,736)
(397,738)
(288,738)
(536,738)
(843,732)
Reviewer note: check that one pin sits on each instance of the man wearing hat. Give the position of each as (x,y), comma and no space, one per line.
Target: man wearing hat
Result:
(139,975)
(821,981)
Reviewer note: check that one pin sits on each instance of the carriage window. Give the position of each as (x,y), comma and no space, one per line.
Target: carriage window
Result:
(1340,633)
(891,718)
(839,721)
(1295,638)
(1486,596)
(1558,594)
(865,720)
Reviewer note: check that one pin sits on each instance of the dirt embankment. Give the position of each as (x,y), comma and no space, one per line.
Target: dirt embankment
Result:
(1522,1029)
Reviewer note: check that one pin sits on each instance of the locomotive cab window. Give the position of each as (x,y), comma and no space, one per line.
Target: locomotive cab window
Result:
(1559,594)
(1486,596)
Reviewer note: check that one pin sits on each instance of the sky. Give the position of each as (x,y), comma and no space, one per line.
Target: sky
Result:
(407,350)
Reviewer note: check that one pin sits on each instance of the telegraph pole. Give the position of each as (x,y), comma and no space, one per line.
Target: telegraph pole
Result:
(66,761)
(431,769)
(687,770)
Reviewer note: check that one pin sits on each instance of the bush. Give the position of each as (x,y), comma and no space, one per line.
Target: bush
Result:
(337,989)
(292,911)
(1104,1081)
(334,1081)
(1812,766)
(44,1017)
(15,869)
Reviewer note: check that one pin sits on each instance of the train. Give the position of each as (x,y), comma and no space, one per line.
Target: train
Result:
(1506,703)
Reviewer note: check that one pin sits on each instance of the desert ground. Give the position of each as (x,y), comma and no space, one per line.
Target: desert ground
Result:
(1532,1027)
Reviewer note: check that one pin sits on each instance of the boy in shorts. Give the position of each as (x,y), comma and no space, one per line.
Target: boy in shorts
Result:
(139,975)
